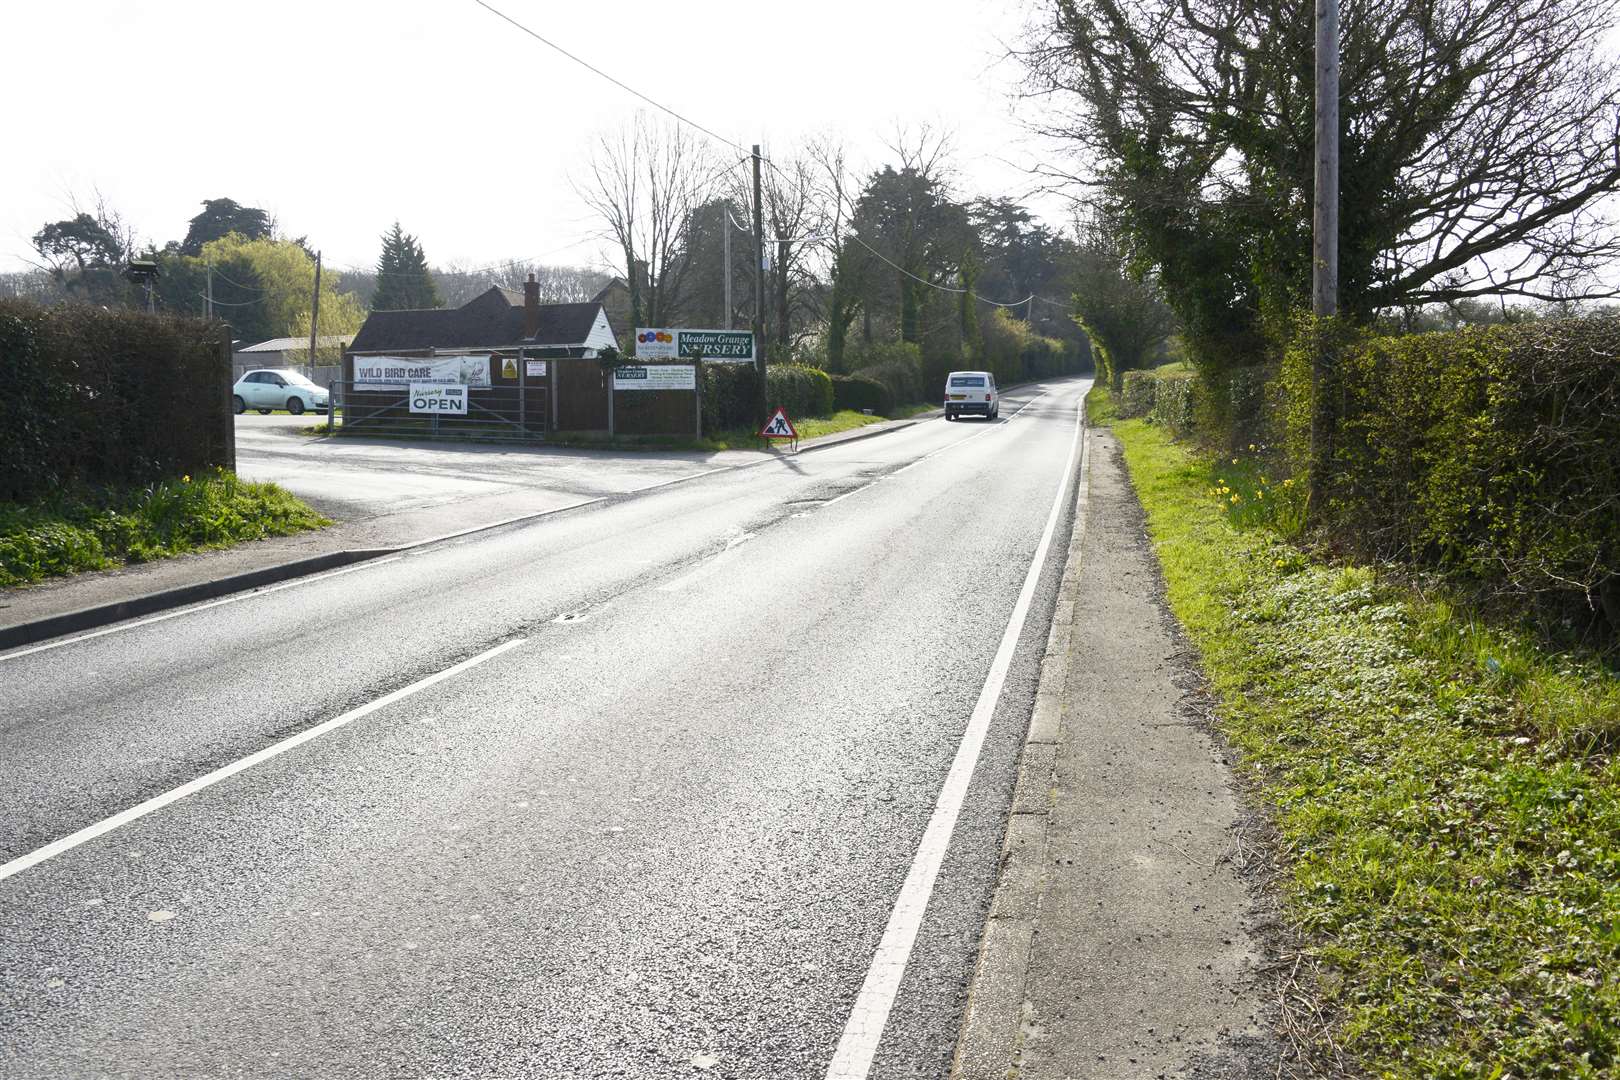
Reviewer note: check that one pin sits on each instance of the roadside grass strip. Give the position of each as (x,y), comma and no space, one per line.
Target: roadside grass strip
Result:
(98,528)
(1446,796)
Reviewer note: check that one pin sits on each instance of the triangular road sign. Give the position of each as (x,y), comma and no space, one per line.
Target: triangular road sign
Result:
(508,368)
(779,426)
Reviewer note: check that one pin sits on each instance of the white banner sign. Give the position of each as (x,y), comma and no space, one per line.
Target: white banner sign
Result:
(397,372)
(655,377)
(441,399)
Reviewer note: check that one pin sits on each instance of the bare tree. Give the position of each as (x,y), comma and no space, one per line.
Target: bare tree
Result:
(1479,138)
(792,221)
(844,262)
(644,181)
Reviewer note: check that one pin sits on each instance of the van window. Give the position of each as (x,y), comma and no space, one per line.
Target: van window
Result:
(967,380)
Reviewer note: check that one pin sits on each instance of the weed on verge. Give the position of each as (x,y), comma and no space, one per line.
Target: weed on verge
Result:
(1446,796)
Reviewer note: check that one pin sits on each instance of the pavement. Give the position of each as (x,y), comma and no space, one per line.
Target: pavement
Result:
(1124,941)
(384,493)
(707,779)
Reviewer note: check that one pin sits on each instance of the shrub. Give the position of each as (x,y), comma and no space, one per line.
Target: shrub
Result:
(1175,402)
(729,393)
(107,397)
(896,364)
(1491,452)
(1137,399)
(802,391)
(858,392)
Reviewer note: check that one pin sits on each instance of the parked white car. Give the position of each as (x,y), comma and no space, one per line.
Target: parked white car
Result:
(971,393)
(277,388)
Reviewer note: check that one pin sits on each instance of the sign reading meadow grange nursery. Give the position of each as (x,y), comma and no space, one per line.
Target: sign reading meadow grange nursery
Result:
(679,343)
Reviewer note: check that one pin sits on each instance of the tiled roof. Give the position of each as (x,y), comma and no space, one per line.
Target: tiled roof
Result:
(282,344)
(488,321)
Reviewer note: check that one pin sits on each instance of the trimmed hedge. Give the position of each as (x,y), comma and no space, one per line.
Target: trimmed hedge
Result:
(1492,453)
(1137,396)
(96,397)
(802,391)
(858,392)
(1175,401)
(729,392)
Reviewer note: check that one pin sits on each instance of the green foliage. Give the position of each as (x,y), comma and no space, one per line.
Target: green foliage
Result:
(1492,453)
(403,279)
(729,397)
(219,219)
(94,528)
(1137,396)
(1446,796)
(802,391)
(1175,402)
(896,364)
(1013,352)
(284,277)
(858,392)
(106,397)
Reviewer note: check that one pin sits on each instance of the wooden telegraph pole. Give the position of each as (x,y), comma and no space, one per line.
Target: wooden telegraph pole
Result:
(315,323)
(759,295)
(1325,250)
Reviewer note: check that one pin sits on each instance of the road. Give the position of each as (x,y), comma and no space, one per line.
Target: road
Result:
(631,791)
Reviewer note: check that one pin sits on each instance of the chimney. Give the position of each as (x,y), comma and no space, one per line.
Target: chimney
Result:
(531,307)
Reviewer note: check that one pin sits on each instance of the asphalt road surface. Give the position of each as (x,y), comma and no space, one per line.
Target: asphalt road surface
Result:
(629,792)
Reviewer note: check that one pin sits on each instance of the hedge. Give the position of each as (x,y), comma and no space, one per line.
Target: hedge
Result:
(729,397)
(858,392)
(1137,396)
(802,391)
(107,397)
(1492,453)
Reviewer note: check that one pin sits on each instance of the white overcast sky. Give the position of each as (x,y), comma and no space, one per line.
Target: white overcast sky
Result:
(339,116)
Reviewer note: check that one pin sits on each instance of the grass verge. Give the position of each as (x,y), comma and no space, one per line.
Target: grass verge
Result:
(1446,796)
(101,528)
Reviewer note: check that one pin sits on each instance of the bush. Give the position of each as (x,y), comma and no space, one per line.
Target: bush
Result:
(802,391)
(94,528)
(1492,453)
(729,393)
(1175,401)
(107,397)
(859,393)
(1137,399)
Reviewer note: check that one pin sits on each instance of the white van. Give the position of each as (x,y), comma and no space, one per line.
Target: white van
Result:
(971,393)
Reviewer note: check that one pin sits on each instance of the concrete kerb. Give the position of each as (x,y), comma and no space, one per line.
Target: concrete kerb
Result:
(992,1026)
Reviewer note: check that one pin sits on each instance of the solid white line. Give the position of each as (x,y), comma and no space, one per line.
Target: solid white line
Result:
(140,810)
(191,609)
(853,1059)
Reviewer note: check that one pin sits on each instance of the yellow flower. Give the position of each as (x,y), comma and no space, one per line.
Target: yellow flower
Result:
(1234,461)
(1289,482)
(185,479)
(1234,498)
(1251,446)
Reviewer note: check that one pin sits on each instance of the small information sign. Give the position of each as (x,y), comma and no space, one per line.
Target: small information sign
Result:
(655,377)
(534,369)
(439,399)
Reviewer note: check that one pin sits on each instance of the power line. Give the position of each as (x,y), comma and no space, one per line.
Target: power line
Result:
(621,85)
(223,303)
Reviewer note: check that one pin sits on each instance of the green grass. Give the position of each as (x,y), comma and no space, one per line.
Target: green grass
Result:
(101,528)
(1446,794)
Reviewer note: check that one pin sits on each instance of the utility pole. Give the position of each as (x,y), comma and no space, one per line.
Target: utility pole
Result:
(315,317)
(725,228)
(1325,252)
(210,298)
(759,293)
(1325,222)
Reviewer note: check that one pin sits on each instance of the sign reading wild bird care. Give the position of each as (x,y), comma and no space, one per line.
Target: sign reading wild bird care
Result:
(680,343)
(398,372)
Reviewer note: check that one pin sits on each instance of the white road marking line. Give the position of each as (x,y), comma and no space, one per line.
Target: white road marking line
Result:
(192,609)
(158,802)
(853,1059)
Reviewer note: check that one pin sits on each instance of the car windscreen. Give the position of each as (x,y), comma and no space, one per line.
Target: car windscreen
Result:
(967,380)
(298,380)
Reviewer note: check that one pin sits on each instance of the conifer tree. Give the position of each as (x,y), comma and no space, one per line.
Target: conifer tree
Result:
(403,280)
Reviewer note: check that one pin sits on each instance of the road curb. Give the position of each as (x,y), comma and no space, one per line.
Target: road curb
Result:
(91,618)
(992,1025)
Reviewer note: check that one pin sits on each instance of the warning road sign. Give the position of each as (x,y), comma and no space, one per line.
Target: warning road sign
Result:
(508,368)
(779,426)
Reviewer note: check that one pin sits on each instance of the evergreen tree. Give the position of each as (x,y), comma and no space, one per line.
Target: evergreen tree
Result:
(403,280)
